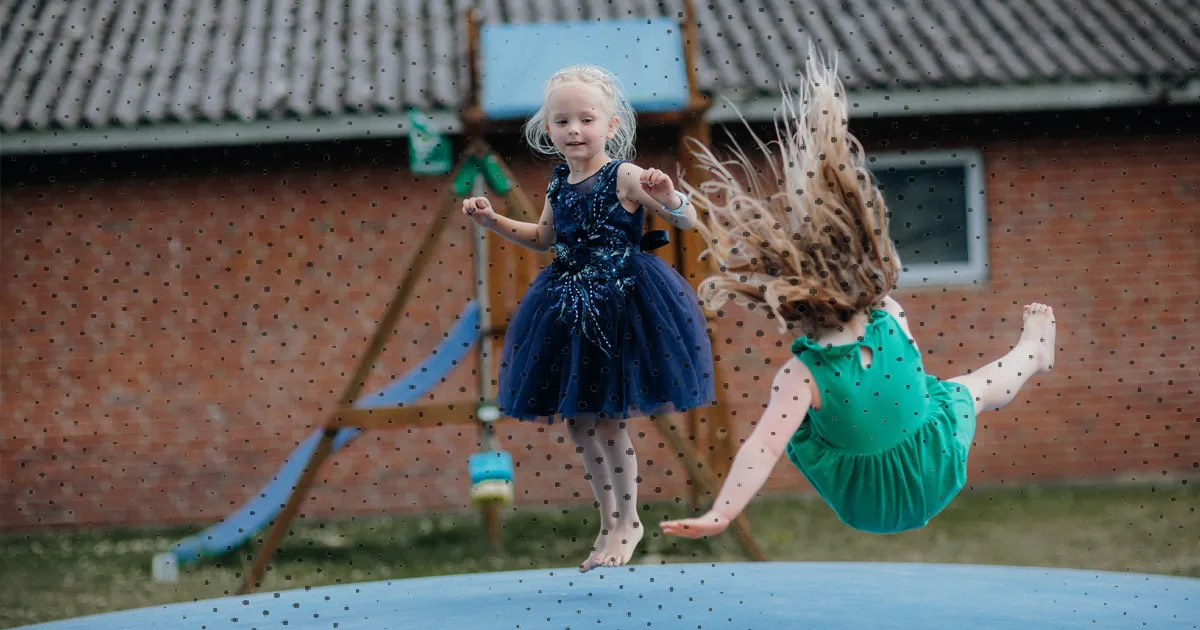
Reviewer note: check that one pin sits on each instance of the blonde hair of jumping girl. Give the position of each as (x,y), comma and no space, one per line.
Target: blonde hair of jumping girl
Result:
(806,240)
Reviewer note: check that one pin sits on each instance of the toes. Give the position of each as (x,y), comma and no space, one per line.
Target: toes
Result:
(1037,308)
(591,563)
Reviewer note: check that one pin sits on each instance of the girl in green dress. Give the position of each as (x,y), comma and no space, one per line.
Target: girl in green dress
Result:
(806,241)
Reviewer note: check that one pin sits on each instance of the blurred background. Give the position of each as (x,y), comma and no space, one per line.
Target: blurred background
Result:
(208,204)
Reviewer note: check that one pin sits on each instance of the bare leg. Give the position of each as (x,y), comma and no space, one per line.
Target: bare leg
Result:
(618,452)
(587,444)
(995,384)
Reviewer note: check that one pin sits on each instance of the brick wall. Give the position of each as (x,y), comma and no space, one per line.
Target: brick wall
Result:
(175,323)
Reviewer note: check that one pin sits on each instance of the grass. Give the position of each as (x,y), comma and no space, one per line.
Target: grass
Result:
(1145,529)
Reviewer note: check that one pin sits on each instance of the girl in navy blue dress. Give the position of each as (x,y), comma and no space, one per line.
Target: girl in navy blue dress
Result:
(606,332)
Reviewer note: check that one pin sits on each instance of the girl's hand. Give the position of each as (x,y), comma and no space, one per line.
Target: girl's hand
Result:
(479,210)
(660,187)
(710,524)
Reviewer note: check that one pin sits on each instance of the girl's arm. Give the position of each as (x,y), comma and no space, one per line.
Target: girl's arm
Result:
(790,400)
(654,189)
(536,236)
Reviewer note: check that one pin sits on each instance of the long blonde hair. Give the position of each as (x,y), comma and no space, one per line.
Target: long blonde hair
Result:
(806,239)
(621,145)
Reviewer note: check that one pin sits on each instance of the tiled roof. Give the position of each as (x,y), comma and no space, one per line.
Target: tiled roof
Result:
(73,63)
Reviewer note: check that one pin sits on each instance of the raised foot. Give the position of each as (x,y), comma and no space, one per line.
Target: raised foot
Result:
(1038,333)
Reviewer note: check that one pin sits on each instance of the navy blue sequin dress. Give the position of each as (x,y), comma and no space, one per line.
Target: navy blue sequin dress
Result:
(606,331)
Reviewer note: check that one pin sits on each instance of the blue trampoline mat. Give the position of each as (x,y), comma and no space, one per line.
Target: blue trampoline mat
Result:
(703,596)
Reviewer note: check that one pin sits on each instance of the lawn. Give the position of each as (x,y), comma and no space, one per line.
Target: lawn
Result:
(1139,528)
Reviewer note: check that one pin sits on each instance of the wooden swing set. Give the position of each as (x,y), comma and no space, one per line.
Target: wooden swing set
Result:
(497,263)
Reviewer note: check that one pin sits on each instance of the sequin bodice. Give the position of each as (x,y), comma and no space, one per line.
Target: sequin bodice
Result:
(596,240)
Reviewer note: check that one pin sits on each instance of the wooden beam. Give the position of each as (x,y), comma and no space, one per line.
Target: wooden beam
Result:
(253,577)
(687,29)
(353,389)
(690,244)
(404,417)
(497,330)
(516,195)
(522,263)
(719,432)
(474,116)
(472,65)
(708,483)
(387,323)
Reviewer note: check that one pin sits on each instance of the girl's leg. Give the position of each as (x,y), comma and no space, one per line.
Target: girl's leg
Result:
(622,465)
(587,444)
(995,384)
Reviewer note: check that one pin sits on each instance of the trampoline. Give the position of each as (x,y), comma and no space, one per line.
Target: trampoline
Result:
(703,596)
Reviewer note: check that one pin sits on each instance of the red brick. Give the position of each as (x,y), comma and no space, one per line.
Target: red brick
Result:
(165,407)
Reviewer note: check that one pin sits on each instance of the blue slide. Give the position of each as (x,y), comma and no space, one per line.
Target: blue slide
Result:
(252,517)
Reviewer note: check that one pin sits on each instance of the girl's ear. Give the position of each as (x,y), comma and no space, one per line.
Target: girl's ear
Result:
(613,125)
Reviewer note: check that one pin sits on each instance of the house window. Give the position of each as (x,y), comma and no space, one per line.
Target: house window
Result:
(938,219)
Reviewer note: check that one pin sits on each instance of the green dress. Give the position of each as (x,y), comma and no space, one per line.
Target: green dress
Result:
(888,448)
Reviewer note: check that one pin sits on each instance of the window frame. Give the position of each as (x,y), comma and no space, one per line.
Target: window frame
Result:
(975,270)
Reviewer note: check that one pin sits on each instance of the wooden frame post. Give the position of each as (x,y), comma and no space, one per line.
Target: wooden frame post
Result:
(481,250)
(354,386)
(707,483)
(690,244)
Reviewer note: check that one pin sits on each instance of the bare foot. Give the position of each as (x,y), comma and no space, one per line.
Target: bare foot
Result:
(622,544)
(596,558)
(1038,332)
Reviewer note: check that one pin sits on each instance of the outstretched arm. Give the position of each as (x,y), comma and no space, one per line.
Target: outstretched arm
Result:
(536,236)
(790,400)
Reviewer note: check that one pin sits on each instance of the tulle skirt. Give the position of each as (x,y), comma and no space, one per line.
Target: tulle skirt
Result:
(658,358)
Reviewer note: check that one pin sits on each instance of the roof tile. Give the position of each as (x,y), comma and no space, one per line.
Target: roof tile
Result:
(127,62)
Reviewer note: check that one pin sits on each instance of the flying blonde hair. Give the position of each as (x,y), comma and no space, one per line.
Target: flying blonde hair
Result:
(807,238)
(621,145)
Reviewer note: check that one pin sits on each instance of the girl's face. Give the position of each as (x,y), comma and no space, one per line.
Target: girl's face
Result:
(579,121)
